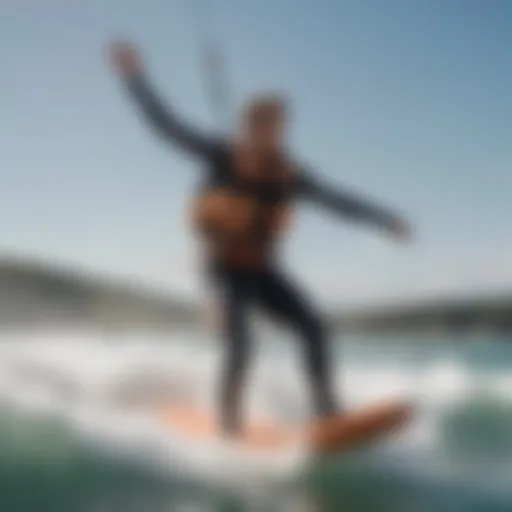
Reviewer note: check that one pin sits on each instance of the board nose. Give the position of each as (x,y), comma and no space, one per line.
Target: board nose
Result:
(349,430)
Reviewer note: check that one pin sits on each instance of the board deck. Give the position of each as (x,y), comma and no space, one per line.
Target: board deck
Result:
(335,434)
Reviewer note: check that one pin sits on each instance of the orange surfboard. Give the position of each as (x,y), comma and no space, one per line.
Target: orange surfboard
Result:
(332,435)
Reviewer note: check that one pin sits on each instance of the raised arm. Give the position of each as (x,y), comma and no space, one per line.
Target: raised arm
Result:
(350,206)
(164,120)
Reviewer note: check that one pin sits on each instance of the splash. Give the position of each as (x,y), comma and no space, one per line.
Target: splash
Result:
(107,393)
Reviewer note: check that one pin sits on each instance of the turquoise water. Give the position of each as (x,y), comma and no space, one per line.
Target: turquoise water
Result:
(458,456)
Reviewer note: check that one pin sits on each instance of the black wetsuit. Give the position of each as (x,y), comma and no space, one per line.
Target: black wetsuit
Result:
(266,287)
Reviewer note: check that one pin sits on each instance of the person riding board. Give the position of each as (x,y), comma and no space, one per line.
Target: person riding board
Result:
(250,185)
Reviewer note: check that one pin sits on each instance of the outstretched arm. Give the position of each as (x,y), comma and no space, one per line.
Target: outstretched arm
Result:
(165,121)
(350,206)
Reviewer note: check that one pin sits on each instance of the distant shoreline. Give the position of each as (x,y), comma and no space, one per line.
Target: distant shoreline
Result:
(35,293)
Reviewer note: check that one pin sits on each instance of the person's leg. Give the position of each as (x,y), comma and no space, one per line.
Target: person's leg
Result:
(236,290)
(283,299)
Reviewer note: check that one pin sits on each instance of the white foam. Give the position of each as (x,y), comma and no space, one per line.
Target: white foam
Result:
(91,385)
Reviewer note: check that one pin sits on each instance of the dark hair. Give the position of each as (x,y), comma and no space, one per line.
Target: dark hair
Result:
(264,105)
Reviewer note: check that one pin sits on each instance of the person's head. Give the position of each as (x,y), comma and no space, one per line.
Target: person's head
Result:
(263,121)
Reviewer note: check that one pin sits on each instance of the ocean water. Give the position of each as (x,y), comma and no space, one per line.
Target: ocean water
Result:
(79,429)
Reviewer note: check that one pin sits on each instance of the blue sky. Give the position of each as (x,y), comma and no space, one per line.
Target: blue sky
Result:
(406,101)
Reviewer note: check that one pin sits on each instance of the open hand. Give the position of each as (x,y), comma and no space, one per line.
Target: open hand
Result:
(125,58)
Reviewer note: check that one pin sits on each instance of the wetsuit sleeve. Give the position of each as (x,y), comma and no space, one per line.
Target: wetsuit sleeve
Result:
(165,121)
(344,203)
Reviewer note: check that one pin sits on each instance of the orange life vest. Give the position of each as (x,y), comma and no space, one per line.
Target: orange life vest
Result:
(242,219)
